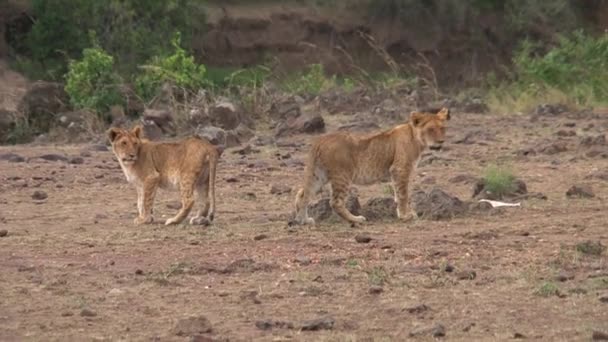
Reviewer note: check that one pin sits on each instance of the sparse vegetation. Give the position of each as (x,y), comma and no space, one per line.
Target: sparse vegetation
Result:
(499,180)
(594,248)
(548,289)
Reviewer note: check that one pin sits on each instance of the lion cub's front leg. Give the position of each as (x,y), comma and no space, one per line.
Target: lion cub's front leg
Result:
(145,199)
(401,180)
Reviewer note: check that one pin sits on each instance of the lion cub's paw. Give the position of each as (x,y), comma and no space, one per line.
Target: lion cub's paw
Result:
(360,219)
(143,220)
(411,216)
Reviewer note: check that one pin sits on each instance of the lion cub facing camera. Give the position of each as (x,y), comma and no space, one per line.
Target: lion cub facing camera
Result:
(188,165)
(342,159)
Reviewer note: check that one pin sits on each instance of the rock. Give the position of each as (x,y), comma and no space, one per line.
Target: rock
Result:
(580,191)
(598,140)
(437,205)
(200,221)
(87,313)
(466,275)
(12,157)
(417,309)
(305,123)
(262,141)
(438,330)
(466,179)
(3,232)
(53,157)
(76,160)
(599,336)
(303,260)
(41,103)
(554,148)
(225,114)
(362,238)
(139,272)
(565,133)
(162,119)
(318,324)
(518,336)
(260,237)
(376,289)
(175,205)
(192,325)
(280,189)
(322,210)
(564,276)
(269,324)
(602,299)
(39,195)
(115,292)
(380,208)
(550,109)
(288,107)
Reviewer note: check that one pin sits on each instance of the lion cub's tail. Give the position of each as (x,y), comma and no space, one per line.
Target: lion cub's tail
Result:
(213,160)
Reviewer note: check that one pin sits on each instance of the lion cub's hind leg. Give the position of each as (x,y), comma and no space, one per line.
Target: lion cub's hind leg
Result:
(187,197)
(202,194)
(312,185)
(340,187)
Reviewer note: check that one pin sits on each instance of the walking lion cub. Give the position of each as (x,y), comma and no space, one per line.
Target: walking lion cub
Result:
(188,165)
(343,158)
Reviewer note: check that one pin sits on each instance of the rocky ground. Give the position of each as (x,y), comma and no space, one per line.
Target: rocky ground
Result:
(74,267)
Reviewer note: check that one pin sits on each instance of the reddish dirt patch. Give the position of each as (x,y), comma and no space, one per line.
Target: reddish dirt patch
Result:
(74,267)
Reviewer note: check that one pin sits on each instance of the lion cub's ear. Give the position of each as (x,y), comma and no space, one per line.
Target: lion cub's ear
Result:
(416,118)
(444,114)
(138,131)
(113,133)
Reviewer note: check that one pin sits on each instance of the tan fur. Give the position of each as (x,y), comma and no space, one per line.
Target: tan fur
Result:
(343,159)
(188,165)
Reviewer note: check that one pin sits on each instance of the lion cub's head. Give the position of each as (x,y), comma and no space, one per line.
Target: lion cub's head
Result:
(431,125)
(126,144)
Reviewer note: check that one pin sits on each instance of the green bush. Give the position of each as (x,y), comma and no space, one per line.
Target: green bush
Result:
(178,69)
(498,180)
(578,66)
(92,83)
(310,82)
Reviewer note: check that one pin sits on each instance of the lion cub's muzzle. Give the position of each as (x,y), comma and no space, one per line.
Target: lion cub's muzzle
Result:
(129,159)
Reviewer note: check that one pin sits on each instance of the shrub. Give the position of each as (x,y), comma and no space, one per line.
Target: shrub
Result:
(178,69)
(92,83)
(310,82)
(498,180)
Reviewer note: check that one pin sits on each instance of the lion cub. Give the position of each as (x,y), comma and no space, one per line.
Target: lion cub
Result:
(342,159)
(188,165)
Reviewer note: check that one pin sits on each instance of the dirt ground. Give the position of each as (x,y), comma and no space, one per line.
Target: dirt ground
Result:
(73,267)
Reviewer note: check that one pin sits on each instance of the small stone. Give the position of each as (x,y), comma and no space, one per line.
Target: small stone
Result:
(139,272)
(175,205)
(417,309)
(67,314)
(200,221)
(76,160)
(580,191)
(192,326)
(115,292)
(376,289)
(279,189)
(466,275)
(39,195)
(362,238)
(303,260)
(3,232)
(12,158)
(564,276)
(518,336)
(449,268)
(599,336)
(87,313)
(53,157)
(260,237)
(85,154)
(318,324)
(438,330)
(604,299)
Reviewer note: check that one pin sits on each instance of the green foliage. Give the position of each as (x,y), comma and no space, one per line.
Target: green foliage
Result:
(498,180)
(178,69)
(311,82)
(377,276)
(578,65)
(131,30)
(548,289)
(92,83)
(19,134)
